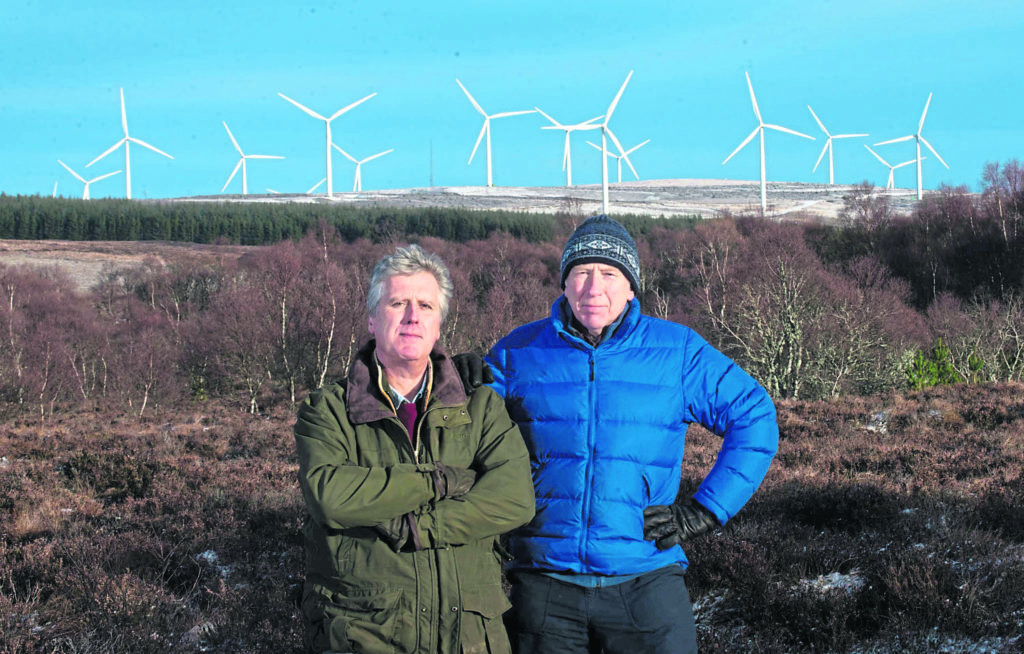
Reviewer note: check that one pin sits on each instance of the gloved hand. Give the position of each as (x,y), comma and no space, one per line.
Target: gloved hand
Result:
(473,371)
(394,532)
(453,481)
(670,525)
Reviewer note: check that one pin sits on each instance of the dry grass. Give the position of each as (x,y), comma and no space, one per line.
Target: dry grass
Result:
(886,524)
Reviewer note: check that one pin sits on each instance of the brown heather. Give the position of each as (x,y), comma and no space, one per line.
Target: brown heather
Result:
(181,531)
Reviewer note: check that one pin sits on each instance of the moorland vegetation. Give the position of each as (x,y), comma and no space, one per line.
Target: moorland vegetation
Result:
(147,479)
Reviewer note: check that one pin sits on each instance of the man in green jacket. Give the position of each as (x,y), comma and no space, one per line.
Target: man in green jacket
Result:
(408,483)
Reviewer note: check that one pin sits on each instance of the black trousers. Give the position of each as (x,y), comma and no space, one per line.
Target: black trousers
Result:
(651,613)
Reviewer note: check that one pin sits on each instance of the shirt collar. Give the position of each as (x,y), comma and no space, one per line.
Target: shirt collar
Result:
(399,399)
(574,327)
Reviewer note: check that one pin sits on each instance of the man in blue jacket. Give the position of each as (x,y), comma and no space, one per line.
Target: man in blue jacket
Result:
(603,396)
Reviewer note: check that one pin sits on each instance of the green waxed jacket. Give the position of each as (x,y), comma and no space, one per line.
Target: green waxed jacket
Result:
(358,468)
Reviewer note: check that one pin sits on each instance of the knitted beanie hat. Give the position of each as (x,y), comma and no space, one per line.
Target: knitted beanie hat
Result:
(599,239)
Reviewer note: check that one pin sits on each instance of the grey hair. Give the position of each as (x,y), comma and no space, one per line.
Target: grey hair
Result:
(409,261)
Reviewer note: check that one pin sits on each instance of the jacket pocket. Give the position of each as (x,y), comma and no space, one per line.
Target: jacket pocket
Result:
(363,621)
(482,629)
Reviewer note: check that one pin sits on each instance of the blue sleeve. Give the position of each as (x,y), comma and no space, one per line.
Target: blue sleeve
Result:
(728,401)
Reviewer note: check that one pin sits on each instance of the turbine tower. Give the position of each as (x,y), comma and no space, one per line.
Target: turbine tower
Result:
(241,162)
(759,131)
(127,158)
(87,182)
(828,146)
(486,129)
(606,133)
(618,158)
(358,184)
(327,122)
(891,183)
(568,129)
(919,139)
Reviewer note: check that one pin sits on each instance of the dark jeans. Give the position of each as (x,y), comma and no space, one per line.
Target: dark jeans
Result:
(651,613)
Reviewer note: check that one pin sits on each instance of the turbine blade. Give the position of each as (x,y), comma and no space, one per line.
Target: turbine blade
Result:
(351,106)
(483,130)
(587,124)
(923,140)
(232,175)
(753,100)
(505,114)
(615,102)
(818,120)
(68,168)
(877,156)
(316,186)
(740,146)
(263,156)
(346,154)
(920,124)
(108,151)
(622,152)
(147,145)
(780,128)
(637,147)
(849,136)
(471,98)
(379,154)
(96,179)
(822,155)
(906,163)
(899,140)
(232,137)
(124,116)
(554,122)
(303,107)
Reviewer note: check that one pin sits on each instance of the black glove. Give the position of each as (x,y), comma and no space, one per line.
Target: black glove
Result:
(453,481)
(394,532)
(673,524)
(473,371)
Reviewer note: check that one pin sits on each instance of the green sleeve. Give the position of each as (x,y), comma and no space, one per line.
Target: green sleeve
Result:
(502,497)
(339,493)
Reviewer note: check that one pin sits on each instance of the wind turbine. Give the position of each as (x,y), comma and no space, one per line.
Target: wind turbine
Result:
(568,129)
(127,160)
(619,158)
(241,162)
(358,184)
(890,184)
(759,131)
(486,129)
(919,139)
(828,146)
(85,193)
(327,122)
(606,133)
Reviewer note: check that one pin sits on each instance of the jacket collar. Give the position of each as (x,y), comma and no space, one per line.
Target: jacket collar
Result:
(367,397)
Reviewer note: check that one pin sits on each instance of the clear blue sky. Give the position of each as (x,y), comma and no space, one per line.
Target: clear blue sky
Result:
(185,66)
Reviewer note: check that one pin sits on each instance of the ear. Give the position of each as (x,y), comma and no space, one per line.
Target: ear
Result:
(369,325)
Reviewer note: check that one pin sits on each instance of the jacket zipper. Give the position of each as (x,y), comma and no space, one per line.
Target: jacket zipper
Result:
(589,476)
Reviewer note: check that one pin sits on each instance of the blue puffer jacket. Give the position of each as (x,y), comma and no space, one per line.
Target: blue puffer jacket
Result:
(606,426)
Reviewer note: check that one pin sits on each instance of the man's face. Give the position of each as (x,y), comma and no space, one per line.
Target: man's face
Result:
(407,321)
(597,294)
